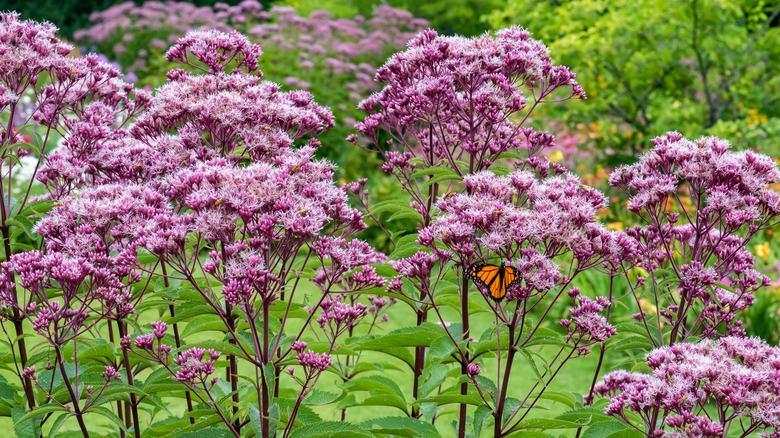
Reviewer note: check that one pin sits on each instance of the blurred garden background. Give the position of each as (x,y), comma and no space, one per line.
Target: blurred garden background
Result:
(699,67)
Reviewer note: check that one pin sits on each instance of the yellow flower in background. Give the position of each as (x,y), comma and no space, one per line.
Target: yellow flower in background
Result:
(639,272)
(763,250)
(601,77)
(648,307)
(555,157)
(752,111)
(615,226)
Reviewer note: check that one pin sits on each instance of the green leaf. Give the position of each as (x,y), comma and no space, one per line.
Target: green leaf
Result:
(254,418)
(432,376)
(550,423)
(273,413)
(385,399)
(24,224)
(104,351)
(544,336)
(434,170)
(591,414)
(383,391)
(422,335)
(452,397)
(439,178)
(632,342)
(40,410)
(55,427)
(105,412)
(611,429)
(269,376)
(204,432)
(483,412)
(38,208)
(118,391)
(145,257)
(390,205)
(406,249)
(331,429)
(401,426)
(565,398)
(319,397)
(528,434)
(27,425)
(441,349)
(512,405)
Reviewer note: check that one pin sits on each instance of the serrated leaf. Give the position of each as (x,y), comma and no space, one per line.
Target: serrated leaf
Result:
(421,335)
(452,397)
(550,423)
(331,429)
(269,377)
(407,249)
(480,415)
(441,349)
(565,398)
(55,427)
(432,376)
(434,170)
(37,208)
(319,397)
(632,342)
(401,426)
(611,429)
(25,225)
(591,414)
(254,419)
(40,410)
(108,414)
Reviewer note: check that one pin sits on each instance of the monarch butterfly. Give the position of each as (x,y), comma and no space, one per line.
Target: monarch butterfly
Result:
(495,280)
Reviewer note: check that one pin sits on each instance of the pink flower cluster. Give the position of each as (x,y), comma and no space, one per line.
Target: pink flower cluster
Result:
(586,326)
(337,317)
(521,217)
(738,376)
(176,17)
(449,99)
(703,243)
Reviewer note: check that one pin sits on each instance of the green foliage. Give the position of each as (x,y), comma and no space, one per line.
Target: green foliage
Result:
(703,67)
(448,17)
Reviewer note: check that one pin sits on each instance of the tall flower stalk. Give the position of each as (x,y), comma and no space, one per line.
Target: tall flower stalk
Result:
(453,106)
(45,96)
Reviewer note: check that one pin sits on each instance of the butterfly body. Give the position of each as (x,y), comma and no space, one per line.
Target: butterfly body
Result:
(494,280)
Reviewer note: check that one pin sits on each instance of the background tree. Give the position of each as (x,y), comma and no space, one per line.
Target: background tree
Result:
(700,66)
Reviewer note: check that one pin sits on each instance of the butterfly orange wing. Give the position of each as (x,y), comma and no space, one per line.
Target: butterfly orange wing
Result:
(509,279)
(483,275)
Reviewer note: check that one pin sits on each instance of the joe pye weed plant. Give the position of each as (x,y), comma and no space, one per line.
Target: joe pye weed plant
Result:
(188,266)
